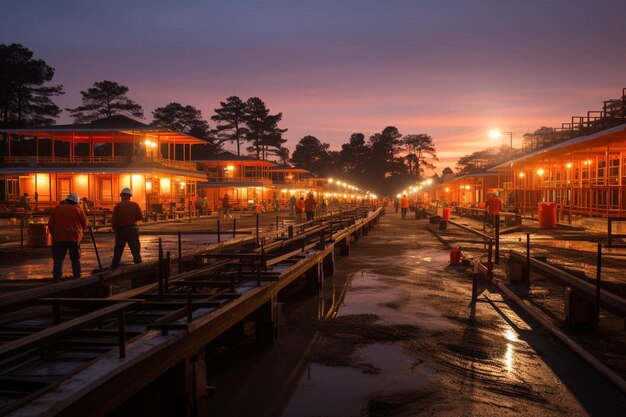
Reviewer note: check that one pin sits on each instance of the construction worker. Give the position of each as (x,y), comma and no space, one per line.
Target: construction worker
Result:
(292,205)
(226,206)
(404,205)
(494,205)
(126,214)
(25,202)
(309,207)
(300,206)
(67,224)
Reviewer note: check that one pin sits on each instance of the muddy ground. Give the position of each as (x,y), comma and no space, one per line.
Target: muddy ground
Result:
(390,335)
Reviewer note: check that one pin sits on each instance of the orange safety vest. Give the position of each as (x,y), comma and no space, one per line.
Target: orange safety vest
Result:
(494,205)
(67,223)
(404,203)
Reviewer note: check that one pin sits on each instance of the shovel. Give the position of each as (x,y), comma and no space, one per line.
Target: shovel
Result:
(95,246)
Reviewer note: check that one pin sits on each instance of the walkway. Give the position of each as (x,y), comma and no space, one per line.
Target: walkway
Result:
(402,345)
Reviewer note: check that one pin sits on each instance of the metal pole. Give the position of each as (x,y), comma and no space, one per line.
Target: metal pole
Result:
(22,232)
(490,261)
(160,270)
(180,253)
(598,282)
(276,222)
(496,219)
(528,259)
(218,231)
(168,271)
(234,227)
(257,228)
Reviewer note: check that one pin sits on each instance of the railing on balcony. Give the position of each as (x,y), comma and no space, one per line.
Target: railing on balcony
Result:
(61,160)
(173,163)
(93,160)
(264,180)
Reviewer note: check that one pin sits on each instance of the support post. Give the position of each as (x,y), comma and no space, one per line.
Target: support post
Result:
(22,232)
(527,275)
(180,253)
(598,282)
(234,227)
(496,220)
(160,270)
(219,238)
(257,229)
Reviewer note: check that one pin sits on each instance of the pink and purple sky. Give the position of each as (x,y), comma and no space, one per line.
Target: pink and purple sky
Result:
(453,69)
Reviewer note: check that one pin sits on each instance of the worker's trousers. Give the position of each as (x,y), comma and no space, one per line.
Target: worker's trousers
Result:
(124,235)
(59,250)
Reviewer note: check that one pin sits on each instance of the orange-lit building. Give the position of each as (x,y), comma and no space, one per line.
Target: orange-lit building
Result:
(96,161)
(585,176)
(466,189)
(296,181)
(246,180)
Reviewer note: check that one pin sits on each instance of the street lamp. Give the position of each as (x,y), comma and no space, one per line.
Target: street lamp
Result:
(495,134)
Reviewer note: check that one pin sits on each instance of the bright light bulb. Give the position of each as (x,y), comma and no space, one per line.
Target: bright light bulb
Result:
(495,134)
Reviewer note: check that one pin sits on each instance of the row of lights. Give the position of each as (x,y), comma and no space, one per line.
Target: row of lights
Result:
(415,188)
(343,184)
(569,165)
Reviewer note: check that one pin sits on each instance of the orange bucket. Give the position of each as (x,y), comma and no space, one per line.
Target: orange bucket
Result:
(455,256)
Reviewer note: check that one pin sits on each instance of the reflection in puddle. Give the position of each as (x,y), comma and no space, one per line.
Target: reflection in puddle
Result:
(329,390)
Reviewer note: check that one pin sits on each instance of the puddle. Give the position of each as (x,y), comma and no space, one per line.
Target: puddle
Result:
(370,294)
(326,390)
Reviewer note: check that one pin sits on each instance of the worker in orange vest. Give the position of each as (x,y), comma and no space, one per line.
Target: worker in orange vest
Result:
(67,224)
(126,214)
(494,205)
(309,207)
(300,208)
(404,205)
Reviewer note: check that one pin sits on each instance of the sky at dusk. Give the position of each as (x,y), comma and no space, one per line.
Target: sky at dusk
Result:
(451,69)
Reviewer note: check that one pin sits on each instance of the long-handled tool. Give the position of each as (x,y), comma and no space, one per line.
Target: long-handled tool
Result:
(95,246)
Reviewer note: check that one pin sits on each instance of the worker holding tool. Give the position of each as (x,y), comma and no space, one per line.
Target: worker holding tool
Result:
(67,224)
(126,214)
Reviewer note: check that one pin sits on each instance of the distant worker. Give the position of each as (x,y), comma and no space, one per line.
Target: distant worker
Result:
(226,206)
(404,205)
(67,224)
(396,204)
(126,214)
(300,206)
(494,205)
(199,208)
(292,205)
(25,202)
(309,207)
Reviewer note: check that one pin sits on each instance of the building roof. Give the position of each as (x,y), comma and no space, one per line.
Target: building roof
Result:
(288,168)
(227,157)
(582,144)
(111,129)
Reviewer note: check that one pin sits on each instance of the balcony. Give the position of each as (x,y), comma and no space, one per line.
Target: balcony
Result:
(121,160)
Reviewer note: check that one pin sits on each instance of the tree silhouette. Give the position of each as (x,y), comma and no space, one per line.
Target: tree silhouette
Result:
(263,130)
(105,99)
(355,155)
(231,119)
(310,154)
(188,120)
(24,100)
(421,150)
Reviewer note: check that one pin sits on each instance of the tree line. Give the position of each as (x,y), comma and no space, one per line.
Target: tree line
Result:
(385,159)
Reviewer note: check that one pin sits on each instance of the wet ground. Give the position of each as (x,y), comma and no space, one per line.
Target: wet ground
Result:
(390,336)
(36,263)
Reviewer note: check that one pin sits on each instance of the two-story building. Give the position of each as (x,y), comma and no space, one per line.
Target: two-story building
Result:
(97,160)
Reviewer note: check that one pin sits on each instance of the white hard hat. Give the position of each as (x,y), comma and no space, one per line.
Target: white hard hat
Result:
(73,197)
(126,191)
